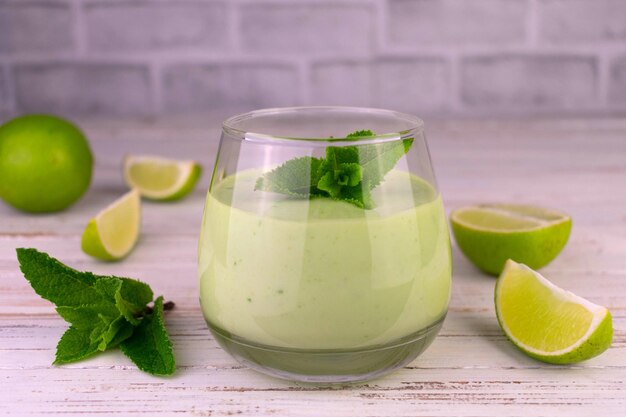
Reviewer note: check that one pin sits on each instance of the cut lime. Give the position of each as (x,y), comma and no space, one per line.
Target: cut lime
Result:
(489,234)
(159,178)
(547,322)
(112,234)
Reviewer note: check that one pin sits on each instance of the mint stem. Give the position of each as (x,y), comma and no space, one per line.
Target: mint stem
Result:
(148,310)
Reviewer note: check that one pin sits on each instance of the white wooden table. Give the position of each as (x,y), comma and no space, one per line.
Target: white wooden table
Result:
(470,370)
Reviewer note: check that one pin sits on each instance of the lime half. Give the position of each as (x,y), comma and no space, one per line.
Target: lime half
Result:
(113,233)
(547,322)
(489,234)
(159,178)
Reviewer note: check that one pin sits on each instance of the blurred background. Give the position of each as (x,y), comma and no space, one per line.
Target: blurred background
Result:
(143,59)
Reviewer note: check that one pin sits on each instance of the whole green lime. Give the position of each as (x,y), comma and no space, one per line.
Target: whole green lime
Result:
(45,163)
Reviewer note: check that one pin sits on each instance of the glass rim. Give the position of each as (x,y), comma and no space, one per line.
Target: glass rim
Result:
(230,125)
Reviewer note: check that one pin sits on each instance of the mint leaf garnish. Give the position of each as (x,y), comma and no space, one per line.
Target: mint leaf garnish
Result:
(297,177)
(342,175)
(149,347)
(103,311)
(378,159)
(346,173)
(361,134)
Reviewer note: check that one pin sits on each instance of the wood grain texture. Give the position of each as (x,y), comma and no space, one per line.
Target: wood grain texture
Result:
(470,370)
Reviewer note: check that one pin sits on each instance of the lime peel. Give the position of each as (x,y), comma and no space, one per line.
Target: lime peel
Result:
(596,338)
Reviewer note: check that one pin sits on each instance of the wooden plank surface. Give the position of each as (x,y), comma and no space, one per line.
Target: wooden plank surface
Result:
(470,370)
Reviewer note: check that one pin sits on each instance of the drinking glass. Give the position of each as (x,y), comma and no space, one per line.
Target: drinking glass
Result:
(324,256)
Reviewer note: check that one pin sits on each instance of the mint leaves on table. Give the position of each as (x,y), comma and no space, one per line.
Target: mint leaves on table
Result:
(346,173)
(103,312)
(149,346)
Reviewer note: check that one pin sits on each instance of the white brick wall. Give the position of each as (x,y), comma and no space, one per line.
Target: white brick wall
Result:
(228,88)
(138,58)
(530,82)
(617,87)
(411,85)
(461,22)
(566,21)
(343,83)
(303,28)
(27,26)
(406,84)
(83,88)
(148,26)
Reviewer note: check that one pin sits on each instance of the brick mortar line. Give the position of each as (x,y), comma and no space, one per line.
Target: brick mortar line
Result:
(533,21)
(530,112)
(381,19)
(302,2)
(155,73)
(4,83)
(518,49)
(216,57)
(604,79)
(305,82)
(426,55)
(10,87)
(607,58)
(454,83)
(78,31)
(234,27)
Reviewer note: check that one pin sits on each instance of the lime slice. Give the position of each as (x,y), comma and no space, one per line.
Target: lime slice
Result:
(112,234)
(159,178)
(547,322)
(489,234)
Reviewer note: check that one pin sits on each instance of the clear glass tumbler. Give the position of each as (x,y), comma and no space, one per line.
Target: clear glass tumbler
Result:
(324,254)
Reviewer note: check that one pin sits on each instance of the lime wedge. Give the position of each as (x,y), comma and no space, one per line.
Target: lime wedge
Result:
(489,234)
(112,234)
(159,178)
(547,322)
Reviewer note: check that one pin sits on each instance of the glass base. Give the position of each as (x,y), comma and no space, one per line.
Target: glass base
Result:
(327,366)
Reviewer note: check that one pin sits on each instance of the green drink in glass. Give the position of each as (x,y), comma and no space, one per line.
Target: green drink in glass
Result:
(324,257)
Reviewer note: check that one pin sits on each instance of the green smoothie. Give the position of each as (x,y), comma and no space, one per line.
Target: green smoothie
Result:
(324,274)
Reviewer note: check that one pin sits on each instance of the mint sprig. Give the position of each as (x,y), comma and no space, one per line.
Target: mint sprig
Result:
(103,312)
(346,173)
